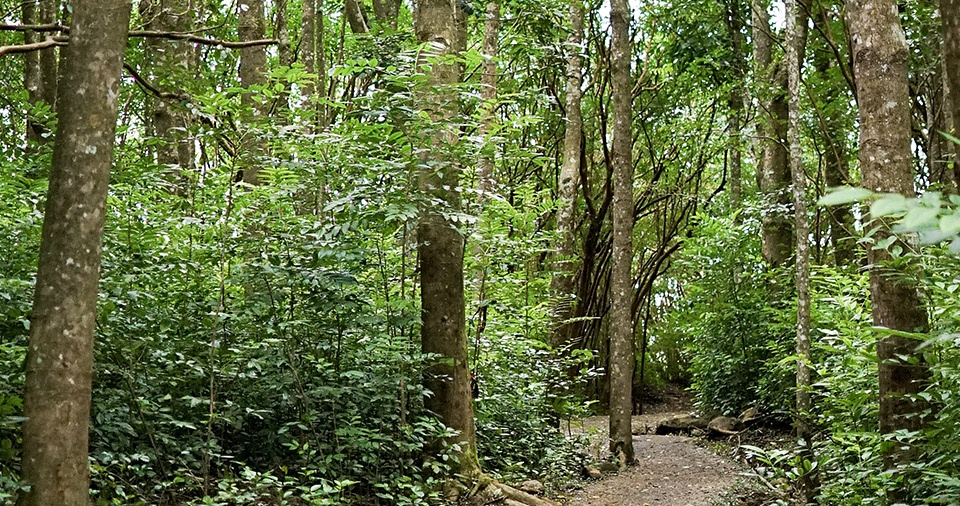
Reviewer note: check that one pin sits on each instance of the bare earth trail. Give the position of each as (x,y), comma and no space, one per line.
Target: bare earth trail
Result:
(671,470)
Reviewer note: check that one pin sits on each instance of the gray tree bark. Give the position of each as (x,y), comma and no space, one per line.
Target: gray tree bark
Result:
(60,351)
(253,68)
(773,173)
(443,333)
(561,284)
(171,62)
(880,64)
(622,359)
(950,19)
(794,41)
(40,68)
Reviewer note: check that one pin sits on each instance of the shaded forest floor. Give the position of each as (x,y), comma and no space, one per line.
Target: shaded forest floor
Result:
(670,471)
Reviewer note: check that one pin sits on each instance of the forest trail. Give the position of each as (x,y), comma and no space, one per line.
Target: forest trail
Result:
(670,470)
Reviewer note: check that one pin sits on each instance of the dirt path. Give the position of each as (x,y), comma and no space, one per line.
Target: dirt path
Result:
(671,470)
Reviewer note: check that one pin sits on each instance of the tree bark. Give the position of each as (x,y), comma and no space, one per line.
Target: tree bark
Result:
(561,284)
(950,19)
(488,91)
(622,360)
(40,68)
(773,173)
(880,62)
(737,97)
(253,67)
(443,332)
(171,62)
(60,352)
(354,13)
(804,405)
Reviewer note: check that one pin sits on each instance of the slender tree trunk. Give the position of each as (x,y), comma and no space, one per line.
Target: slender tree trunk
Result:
(49,71)
(354,12)
(880,62)
(488,91)
(253,67)
(60,352)
(950,18)
(308,49)
(804,405)
(773,172)
(622,359)
(737,97)
(443,332)
(39,68)
(170,64)
(561,284)
(387,12)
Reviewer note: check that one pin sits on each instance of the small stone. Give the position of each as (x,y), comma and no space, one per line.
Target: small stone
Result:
(592,472)
(531,487)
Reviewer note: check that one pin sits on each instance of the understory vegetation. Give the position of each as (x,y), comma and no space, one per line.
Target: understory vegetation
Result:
(259,326)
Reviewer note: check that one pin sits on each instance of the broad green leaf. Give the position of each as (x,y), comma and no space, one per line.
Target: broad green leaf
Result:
(919,218)
(887,205)
(950,223)
(844,195)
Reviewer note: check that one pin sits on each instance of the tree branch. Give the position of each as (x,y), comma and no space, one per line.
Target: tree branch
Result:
(36,46)
(201,40)
(150,34)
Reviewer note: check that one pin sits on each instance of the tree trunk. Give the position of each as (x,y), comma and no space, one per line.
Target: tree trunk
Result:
(309,50)
(561,284)
(622,358)
(440,249)
(60,352)
(804,405)
(737,97)
(354,12)
(253,67)
(40,67)
(880,64)
(773,173)
(171,63)
(950,18)
(488,91)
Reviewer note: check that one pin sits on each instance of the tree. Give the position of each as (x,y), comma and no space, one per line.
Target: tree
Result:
(804,405)
(773,172)
(442,30)
(171,62)
(622,359)
(561,284)
(253,68)
(880,64)
(950,19)
(60,357)
(40,68)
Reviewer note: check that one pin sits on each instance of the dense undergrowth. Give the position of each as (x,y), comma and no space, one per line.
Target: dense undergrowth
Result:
(261,344)
(740,344)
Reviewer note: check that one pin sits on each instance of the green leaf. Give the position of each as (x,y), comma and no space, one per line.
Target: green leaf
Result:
(920,218)
(950,137)
(844,195)
(887,205)
(950,223)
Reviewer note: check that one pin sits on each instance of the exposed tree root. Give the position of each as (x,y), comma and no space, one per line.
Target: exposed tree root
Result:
(488,491)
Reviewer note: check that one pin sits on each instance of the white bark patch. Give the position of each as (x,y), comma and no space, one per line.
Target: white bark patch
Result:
(90,150)
(70,261)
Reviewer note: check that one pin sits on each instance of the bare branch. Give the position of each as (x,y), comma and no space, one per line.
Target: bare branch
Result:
(36,46)
(201,40)
(52,27)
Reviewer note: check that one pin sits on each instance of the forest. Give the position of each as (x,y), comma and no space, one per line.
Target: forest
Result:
(387,252)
